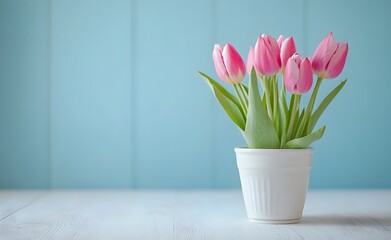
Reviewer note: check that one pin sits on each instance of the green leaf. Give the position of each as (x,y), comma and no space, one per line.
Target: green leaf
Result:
(259,131)
(228,101)
(224,91)
(307,140)
(323,105)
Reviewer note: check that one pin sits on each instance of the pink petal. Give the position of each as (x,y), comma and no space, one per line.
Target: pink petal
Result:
(274,47)
(250,60)
(323,54)
(288,48)
(297,58)
(280,39)
(305,78)
(291,75)
(264,60)
(233,63)
(337,61)
(219,63)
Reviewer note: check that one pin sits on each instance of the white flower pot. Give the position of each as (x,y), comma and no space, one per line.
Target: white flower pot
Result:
(274,183)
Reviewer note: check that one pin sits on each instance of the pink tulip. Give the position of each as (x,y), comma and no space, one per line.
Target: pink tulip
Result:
(287,49)
(329,57)
(298,74)
(250,60)
(267,60)
(229,64)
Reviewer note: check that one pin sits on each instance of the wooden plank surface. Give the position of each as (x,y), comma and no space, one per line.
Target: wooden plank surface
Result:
(201,214)
(12,201)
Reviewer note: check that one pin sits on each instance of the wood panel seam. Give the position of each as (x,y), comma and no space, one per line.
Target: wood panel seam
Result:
(24,206)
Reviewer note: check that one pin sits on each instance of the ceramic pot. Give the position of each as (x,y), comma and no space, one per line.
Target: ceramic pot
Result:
(274,183)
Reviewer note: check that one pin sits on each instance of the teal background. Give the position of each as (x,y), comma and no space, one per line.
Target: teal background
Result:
(99,93)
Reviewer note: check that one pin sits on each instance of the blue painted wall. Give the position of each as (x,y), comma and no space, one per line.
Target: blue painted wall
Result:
(99,93)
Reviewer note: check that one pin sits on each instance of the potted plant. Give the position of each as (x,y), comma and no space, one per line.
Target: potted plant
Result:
(274,167)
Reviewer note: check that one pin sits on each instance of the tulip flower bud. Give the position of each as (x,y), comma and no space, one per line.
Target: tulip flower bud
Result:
(329,58)
(229,64)
(267,60)
(287,49)
(298,75)
(250,60)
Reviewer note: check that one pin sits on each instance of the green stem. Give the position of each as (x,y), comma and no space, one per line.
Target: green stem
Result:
(267,94)
(275,98)
(313,98)
(244,88)
(284,105)
(288,117)
(283,115)
(308,110)
(311,103)
(240,99)
(296,101)
(244,94)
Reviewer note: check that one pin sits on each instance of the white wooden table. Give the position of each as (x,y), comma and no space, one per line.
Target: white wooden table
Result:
(199,214)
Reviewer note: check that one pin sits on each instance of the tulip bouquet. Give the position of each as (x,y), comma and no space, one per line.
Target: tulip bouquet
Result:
(268,120)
